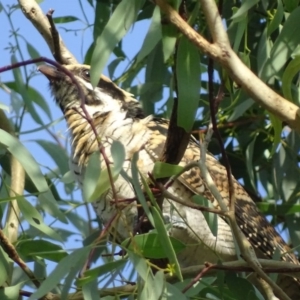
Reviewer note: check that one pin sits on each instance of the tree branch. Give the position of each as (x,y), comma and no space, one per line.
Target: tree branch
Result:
(221,51)
(33,12)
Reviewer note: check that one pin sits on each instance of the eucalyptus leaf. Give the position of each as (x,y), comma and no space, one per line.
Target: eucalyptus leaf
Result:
(189,83)
(73,262)
(118,25)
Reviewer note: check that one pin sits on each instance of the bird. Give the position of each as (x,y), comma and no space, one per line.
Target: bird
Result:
(117,116)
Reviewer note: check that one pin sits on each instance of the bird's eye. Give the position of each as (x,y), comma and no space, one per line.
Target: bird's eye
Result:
(86,74)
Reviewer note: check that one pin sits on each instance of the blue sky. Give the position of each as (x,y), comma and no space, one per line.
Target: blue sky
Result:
(78,45)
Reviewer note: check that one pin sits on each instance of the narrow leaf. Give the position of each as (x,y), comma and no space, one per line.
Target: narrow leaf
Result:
(188,78)
(152,37)
(33,171)
(33,217)
(150,246)
(72,262)
(162,170)
(166,242)
(108,267)
(118,25)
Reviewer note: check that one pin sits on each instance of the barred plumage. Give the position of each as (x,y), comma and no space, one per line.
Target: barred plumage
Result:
(118,116)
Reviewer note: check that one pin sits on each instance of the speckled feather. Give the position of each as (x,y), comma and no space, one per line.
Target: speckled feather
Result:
(118,116)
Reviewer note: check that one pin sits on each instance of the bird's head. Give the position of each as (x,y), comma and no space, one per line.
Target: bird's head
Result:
(106,97)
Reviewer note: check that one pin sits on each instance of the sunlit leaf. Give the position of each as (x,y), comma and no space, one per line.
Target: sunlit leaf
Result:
(118,25)
(162,170)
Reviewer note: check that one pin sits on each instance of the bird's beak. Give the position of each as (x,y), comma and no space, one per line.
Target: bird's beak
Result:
(50,72)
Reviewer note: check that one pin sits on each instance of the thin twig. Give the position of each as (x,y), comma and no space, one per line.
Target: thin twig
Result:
(10,250)
(55,38)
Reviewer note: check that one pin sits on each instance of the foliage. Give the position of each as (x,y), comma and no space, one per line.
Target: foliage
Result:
(263,152)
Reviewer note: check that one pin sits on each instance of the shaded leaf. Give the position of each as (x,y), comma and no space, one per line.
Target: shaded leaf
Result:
(94,273)
(188,78)
(73,262)
(42,248)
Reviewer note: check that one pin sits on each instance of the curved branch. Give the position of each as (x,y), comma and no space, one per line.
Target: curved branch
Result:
(33,12)
(16,188)
(221,51)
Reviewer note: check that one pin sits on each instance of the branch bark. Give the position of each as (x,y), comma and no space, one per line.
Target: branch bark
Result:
(33,12)
(221,51)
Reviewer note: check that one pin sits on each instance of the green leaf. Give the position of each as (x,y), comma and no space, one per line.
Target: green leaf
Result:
(290,5)
(102,15)
(243,10)
(33,217)
(290,72)
(118,25)
(149,245)
(42,248)
(276,21)
(57,153)
(34,97)
(240,109)
(4,266)
(11,292)
(241,28)
(65,19)
(249,161)
(148,287)
(137,187)
(241,288)
(277,127)
(103,182)
(118,155)
(153,36)
(92,175)
(188,78)
(166,242)
(174,293)
(108,267)
(285,44)
(38,99)
(22,90)
(162,170)
(73,262)
(169,38)
(33,171)
(140,265)
(90,291)
(211,218)
(274,209)
(32,51)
